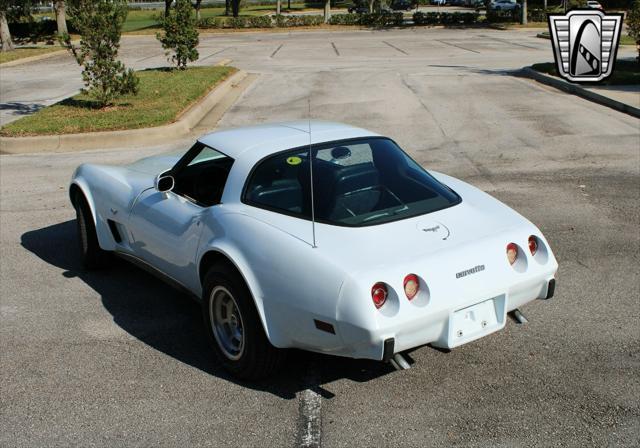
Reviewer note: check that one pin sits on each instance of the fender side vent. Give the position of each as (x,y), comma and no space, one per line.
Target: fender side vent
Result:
(114,231)
(324,326)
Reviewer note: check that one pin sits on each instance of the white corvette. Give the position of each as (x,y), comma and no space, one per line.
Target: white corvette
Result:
(361,253)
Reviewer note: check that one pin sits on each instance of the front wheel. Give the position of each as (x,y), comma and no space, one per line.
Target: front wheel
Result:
(234,328)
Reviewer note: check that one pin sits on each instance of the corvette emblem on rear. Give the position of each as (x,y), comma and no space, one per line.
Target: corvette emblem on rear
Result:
(473,270)
(585,42)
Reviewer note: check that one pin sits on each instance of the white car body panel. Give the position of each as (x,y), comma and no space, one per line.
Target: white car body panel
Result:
(293,283)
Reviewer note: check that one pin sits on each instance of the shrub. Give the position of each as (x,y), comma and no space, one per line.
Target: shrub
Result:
(345,19)
(180,34)
(260,22)
(39,30)
(100,25)
(210,22)
(536,15)
(445,18)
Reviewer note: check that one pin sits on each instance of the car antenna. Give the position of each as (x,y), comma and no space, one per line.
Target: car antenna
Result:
(313,211)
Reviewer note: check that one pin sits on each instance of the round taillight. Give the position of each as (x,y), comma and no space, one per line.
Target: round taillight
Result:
(533,244)
(512,253)
(379,294)
(411,286)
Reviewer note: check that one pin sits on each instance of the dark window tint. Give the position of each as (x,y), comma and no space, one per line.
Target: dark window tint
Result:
(356,183)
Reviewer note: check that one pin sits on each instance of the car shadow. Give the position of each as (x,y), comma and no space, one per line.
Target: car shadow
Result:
(171,322)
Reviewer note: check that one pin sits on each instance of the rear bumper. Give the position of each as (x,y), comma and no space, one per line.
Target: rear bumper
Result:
(439,327)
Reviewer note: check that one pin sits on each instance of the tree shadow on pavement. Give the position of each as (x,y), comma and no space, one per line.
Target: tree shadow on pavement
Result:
(21,108)
(171,322)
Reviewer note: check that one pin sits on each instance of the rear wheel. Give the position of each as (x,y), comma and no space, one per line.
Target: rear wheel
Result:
(91,255)
(234,328)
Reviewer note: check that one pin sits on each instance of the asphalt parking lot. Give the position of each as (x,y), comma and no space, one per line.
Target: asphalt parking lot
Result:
(115,358)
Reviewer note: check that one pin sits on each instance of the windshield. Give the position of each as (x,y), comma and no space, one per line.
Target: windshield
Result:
(359,182)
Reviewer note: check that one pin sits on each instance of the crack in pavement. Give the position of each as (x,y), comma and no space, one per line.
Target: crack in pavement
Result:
(424,106)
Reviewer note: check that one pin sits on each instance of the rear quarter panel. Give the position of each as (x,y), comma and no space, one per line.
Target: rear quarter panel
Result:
(291,283)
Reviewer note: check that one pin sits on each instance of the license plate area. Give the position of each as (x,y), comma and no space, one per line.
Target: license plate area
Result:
(476,321)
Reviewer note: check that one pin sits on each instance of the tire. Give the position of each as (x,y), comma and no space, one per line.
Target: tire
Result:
(91,255)
(234,328)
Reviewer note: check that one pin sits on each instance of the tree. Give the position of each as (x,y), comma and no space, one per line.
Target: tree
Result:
(278,6)
(5,34)
(227,7)
(100,25)
(327,11)
(235,7)
(167,6)
(13,10)
(61,18)
(180,34)
(633,24)
(197,7)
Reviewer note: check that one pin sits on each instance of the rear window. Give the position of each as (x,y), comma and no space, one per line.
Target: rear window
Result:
(356,183)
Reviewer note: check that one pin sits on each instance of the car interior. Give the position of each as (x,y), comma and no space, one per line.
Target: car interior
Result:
(203,182)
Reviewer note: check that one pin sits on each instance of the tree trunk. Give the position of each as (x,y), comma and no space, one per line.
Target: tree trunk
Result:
(5,34)
(197,6)
(327,11)
(289,5)
(545,4)
(235,7)
(167,6)
(61,17)
(278,7)
(524,12)
(371,2)
(227,7)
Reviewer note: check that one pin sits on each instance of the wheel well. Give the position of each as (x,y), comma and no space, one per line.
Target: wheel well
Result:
(211,258)
(74,191)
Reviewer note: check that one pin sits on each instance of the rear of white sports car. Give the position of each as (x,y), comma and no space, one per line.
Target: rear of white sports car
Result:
(415,257)
(443,279)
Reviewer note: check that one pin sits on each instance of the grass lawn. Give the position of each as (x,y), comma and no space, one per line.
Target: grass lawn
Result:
(624,72)
(163,95)
(627,40)
(25,52)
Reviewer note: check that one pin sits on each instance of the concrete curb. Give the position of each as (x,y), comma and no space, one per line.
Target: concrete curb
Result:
(32,59)
(580,91)
(129,138)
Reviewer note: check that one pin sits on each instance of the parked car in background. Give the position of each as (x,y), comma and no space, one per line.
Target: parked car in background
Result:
(402,5)
(594,5)
(439,2)
(504,5)
(360,8)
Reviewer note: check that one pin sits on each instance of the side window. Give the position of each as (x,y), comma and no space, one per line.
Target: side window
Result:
(207,154)
(277,182)
(203,179)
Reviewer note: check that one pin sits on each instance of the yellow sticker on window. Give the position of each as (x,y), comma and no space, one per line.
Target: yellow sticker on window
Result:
(294,160)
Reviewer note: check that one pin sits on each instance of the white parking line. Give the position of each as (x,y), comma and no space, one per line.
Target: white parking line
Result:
(276,51)
(310,414)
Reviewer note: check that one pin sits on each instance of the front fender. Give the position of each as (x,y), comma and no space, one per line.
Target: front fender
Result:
(102,230)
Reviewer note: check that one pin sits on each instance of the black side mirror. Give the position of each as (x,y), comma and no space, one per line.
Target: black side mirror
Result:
(165,183)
